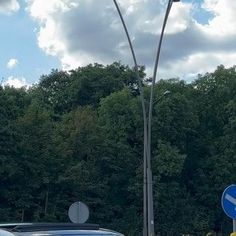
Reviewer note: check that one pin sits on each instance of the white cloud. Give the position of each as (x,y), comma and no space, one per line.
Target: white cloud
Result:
(8,6)
(12,63)
(186,67)
(16,82)
(224,17)
(81,32)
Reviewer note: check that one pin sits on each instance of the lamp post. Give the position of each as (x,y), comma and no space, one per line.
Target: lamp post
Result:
(145,145)
(150,210)
(148,214)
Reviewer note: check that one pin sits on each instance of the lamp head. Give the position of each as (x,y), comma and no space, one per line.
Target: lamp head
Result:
(166,92)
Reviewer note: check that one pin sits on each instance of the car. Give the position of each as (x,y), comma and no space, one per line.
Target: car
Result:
(54,229)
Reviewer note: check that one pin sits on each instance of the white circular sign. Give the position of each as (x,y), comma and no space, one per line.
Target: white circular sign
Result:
(78,212)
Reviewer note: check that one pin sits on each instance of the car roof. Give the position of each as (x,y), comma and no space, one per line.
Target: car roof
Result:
(27,227)
(5,233)
(69,233)
(54,229)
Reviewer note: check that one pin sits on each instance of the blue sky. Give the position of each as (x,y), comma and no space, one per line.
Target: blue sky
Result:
(200,15)
(19,40)
(40,35)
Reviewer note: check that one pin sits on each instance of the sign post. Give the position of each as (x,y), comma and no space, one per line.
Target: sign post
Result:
(228,203)
(234,225)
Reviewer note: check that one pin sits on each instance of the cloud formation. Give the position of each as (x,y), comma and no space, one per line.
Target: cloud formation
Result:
(12,63)
(8,6)
(81,32)
(16,82)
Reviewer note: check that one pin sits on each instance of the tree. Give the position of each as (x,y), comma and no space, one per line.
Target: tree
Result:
(65,91)
(118,118)
(12,104)
(34,135)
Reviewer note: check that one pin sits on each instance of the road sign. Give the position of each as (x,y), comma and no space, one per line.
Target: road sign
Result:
(228,201)
(78,212)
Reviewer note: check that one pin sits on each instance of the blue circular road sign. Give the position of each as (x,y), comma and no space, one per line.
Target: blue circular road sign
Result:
(228,201)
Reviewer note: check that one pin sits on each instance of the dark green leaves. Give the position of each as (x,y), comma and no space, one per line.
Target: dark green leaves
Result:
(78,135)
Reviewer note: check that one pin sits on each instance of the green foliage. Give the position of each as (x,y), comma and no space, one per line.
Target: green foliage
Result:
(78,135)
(65,91)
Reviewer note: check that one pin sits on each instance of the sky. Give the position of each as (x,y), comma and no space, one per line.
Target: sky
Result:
(40,35)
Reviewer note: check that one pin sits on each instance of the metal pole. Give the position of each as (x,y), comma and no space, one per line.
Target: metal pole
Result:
(151,230)
(145,226)
(145,230)
(148,215)
(234,225)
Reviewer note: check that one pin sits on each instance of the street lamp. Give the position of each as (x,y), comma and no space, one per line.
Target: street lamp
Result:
(164,94)
(145,145)
(150,210)
(148,215)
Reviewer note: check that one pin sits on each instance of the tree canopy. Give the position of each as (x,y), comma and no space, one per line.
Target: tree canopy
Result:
(78,135)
